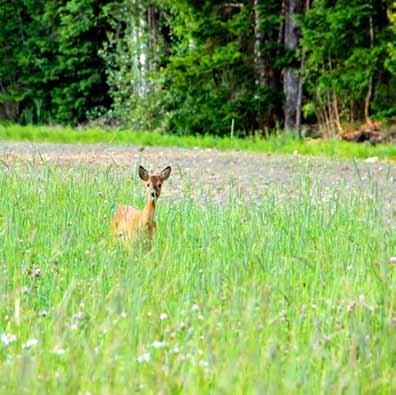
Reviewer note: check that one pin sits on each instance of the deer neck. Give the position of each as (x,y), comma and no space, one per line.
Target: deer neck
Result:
(149,210)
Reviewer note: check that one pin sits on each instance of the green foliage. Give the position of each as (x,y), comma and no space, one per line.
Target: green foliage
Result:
(341,56)
(202,74)
(279,143)
(193,67)
(122,53)
(203,79)
(81,34)
(11,37)
(391,61)
(51,69)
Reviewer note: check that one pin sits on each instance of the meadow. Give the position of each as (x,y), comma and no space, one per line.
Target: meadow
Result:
(267,296)
(278,143)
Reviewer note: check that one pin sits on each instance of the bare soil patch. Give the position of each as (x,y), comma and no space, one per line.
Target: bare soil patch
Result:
(209,173)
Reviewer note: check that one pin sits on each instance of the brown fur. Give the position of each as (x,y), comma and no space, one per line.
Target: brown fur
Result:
(130,223)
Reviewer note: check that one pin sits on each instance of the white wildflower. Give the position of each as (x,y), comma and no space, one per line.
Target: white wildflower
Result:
(7,339)
(183,325)
(80,315)
(58,350)
(362,298)
(163,316)
(183,358)
(30,343)
(195,308)
(176,350)
(123,314)
(145,357)
(158,344)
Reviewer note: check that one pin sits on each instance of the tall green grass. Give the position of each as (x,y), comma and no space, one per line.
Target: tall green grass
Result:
(281,143)
(272,296)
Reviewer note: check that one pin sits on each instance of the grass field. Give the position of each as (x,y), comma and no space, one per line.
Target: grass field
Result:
(281,144)
(268,297)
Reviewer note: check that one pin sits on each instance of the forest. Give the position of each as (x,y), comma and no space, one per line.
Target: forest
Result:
(199,67)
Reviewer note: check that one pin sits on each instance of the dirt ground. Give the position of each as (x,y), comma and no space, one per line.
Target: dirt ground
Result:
(213,173)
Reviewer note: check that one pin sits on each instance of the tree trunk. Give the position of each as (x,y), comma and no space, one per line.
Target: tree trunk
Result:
(259,65)
(267,78)
(300,93)
(370,83)
(144,43)
(153,19)
(291,77)
(258,39)
(337,115)
(290,86)
(301,81)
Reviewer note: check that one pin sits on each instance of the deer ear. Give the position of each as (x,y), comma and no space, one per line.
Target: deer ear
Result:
(143,173)
(165,173)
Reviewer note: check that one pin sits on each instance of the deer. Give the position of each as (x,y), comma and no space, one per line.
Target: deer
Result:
(132,224)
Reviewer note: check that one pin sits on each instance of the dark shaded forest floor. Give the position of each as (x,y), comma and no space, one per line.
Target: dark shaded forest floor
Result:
(208,173)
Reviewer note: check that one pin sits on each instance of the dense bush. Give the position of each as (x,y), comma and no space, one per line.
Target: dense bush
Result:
(50,68)
(188,66)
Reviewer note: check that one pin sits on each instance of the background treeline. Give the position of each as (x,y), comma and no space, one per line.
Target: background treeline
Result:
(189,66)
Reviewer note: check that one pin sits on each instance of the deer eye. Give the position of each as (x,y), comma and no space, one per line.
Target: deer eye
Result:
(148,185)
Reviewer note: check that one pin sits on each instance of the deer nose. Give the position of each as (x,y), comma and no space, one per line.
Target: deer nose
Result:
(153,195)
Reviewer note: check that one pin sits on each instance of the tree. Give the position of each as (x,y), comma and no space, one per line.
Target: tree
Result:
(189,66)
(291,75)
(133,54)
(346,51)
(268,53)
(50,68)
